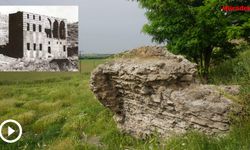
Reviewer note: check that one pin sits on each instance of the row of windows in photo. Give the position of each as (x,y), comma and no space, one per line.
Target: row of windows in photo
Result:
(41,47)
(34,17)
(34,27)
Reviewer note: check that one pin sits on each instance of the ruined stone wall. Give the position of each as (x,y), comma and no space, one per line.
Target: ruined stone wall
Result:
(151,90)
(9,64)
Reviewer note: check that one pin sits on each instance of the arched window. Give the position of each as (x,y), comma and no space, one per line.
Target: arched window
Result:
(62,30)
(48,28)
(55,29)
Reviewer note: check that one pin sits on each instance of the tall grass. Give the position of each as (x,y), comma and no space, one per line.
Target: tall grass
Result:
(234,71)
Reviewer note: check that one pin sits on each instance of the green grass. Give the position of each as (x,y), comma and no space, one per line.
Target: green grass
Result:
(87,65)
(234,71)
(58,111)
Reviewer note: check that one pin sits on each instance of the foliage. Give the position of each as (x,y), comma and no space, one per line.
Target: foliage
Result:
(196,28)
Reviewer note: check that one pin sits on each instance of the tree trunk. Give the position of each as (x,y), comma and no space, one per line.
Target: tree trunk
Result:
(201,63)
(207,58)
(196,59)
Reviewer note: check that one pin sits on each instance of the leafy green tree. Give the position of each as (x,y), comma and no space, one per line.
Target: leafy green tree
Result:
(198,29)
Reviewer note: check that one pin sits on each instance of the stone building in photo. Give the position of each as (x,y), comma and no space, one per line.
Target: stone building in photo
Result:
(3,29)
(34,36)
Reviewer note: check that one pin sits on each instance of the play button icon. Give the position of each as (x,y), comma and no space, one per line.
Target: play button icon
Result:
(10,131)
(13,131)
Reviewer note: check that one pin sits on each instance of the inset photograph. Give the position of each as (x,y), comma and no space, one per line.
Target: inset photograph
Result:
(39,38)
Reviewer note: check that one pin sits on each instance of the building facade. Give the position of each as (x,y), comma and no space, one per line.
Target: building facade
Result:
(33,36)
(3,29)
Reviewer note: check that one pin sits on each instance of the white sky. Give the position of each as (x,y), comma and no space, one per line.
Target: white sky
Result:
(68,12)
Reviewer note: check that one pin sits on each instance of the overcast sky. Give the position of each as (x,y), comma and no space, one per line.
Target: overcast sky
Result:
(68,12)
(106,26)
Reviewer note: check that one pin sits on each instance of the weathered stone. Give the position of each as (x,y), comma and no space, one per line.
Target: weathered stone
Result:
(151,90)
(232,89)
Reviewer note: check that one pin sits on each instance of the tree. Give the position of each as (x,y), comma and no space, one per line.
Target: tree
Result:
(198,29)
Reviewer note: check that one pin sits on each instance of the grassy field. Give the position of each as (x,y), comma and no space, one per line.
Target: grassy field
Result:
(58,111)
(87,65)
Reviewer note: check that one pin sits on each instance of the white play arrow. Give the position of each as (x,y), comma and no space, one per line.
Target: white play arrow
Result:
(10,131)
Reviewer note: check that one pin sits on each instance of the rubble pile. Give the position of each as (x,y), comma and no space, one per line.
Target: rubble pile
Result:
(12,64)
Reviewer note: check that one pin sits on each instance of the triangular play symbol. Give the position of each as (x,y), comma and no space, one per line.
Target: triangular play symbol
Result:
(10,131)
